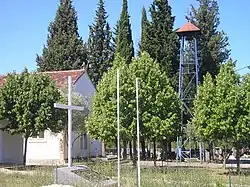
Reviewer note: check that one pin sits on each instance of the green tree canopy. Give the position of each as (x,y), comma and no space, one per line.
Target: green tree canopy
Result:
(222,109)
(159,104)
(27,103)
(78,117)
(100,47)
(102,122)
(212,44)
(65,49)
(204,107)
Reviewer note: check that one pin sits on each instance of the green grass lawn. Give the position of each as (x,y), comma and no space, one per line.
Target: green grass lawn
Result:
(174,177)
(27,177)
(150,177)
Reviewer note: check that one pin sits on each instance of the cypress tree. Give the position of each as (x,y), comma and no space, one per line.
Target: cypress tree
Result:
(162,42)
(124,42)
(142,44)
(212,44)
(109,48)
(115,34)
(65,49)
(144,24)
(100,48)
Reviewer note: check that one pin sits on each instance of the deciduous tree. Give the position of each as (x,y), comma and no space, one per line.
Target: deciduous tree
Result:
(204,108)
(102,121)
(222,110)
(158,102)
(78,117)
(27,103)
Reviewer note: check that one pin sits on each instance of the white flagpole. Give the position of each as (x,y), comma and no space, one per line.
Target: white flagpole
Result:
(138,137)
(69,121)
(118,128)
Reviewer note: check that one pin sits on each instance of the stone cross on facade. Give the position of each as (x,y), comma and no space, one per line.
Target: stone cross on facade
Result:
(69,107)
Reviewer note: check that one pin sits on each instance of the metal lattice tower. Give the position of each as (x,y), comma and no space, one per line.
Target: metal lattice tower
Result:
(188,75)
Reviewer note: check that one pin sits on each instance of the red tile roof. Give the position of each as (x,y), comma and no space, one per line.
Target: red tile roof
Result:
(188,27)
(60,77)
(2,78)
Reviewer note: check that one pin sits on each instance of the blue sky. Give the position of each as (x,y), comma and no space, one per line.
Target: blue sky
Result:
(24,26)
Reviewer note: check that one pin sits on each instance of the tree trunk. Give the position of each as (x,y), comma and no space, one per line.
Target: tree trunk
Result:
(238,158)
(134,152)
(169,150)
(164,149)
(149,150)
(200,151)
(103,149)
(225,156)
(211,151)
(143,147)
(25,150)
(124,150)
(117,150)
(130,151)
(154,152)
(88,147)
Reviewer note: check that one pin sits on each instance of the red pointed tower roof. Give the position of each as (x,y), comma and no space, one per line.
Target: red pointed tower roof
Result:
(188,27)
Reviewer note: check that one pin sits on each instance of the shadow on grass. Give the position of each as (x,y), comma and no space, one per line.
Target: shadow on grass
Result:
(91,175)
(29,168)
(233,172)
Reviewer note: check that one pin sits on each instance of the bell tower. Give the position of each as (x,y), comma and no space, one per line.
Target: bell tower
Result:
(188,75)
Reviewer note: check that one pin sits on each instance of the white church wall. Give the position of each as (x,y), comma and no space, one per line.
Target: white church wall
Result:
(44,150)
(11,147)
(84,146)
(85,87)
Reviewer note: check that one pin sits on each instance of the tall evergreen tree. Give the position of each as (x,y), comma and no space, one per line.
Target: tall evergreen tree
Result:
(144,24)
(124,42)
(65,49)
(100,48)
(213,44)
(109,49)
(162,42)
(115,33)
